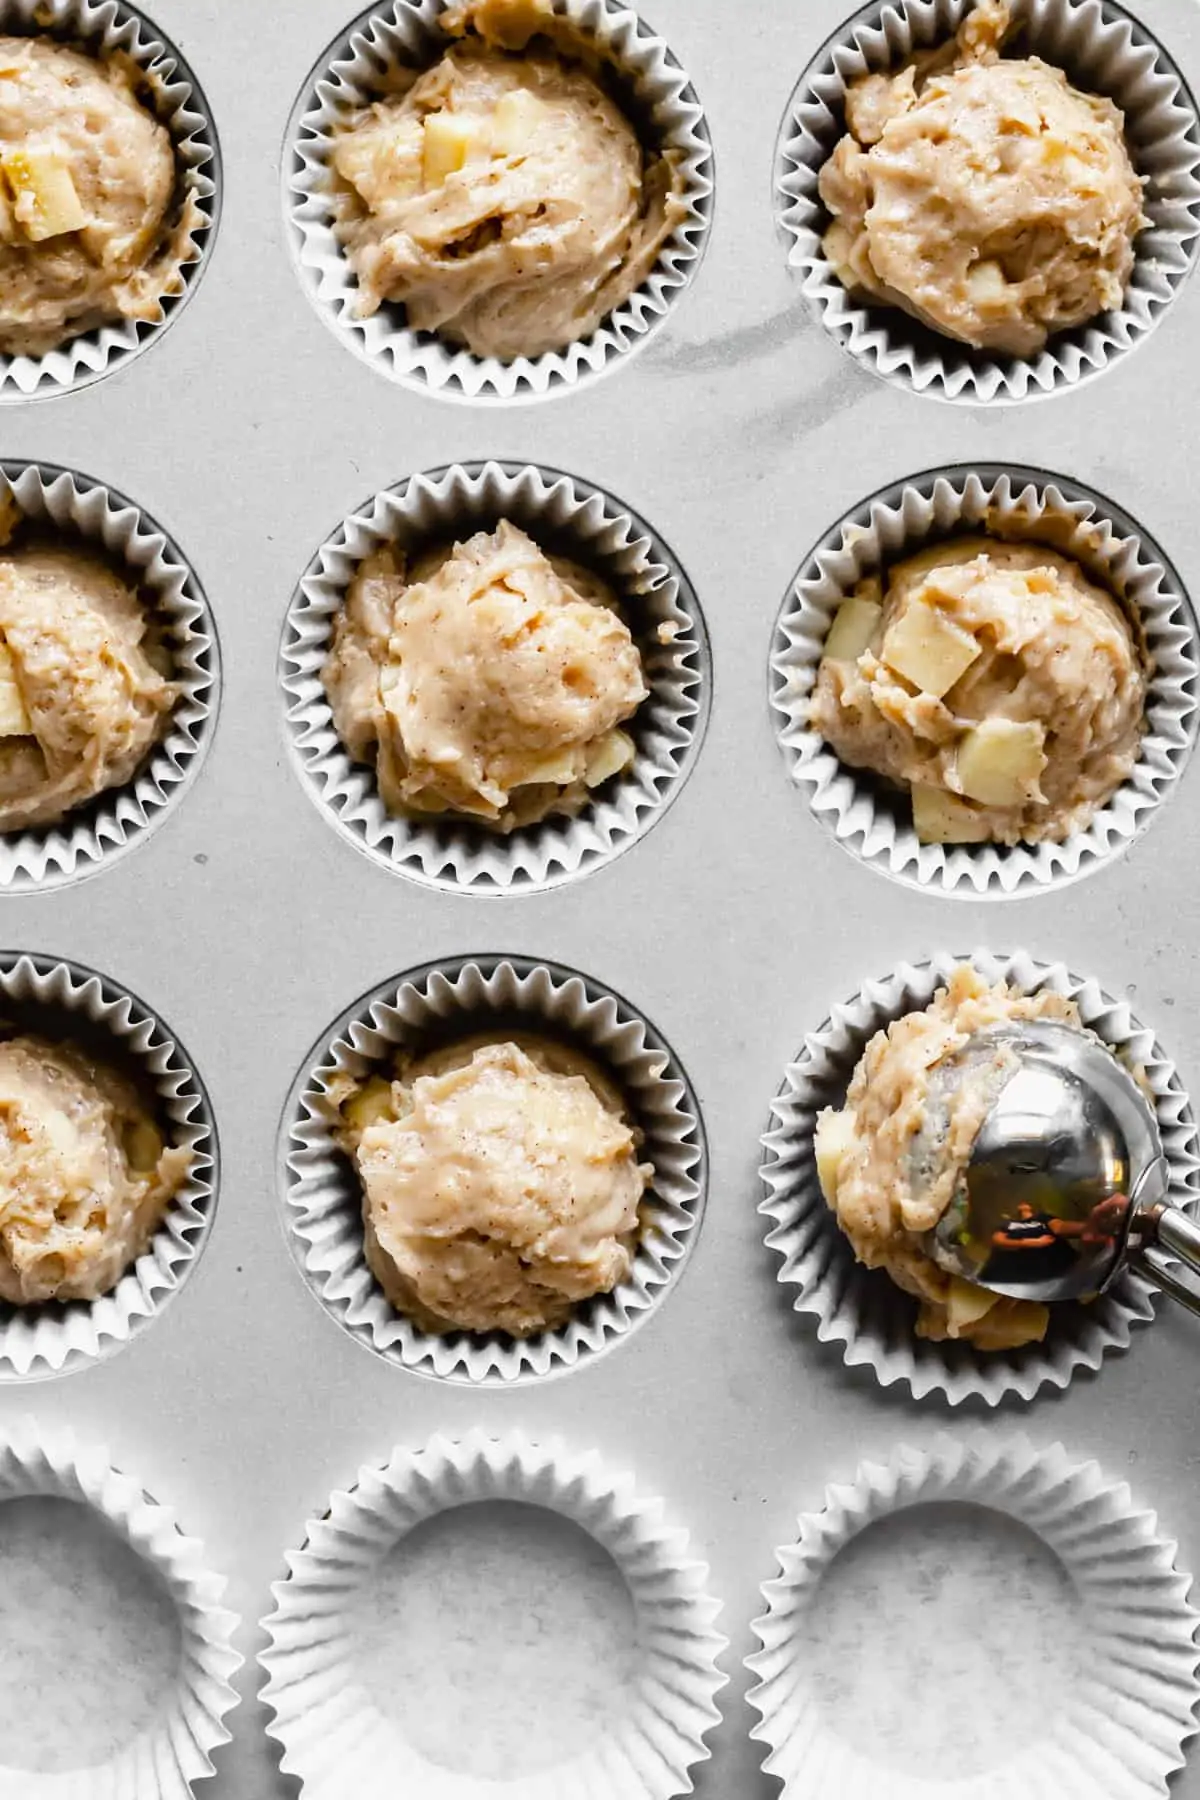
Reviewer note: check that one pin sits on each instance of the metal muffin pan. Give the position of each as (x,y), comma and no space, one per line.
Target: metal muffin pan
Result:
(741,433)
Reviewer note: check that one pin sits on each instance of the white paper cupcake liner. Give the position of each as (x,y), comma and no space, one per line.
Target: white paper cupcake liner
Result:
(873,821)
(96,835)
(1102,50)
(322,1195)
(168,1756)
(862,1309)
(55,1339)
(559,511)
(1117,1719)
(105,28)
(407,34)
(334,1738)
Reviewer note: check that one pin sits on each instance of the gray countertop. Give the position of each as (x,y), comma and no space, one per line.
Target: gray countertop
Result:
(741,433)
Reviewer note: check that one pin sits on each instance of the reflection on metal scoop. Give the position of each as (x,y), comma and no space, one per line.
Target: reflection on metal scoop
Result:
(1067,1179)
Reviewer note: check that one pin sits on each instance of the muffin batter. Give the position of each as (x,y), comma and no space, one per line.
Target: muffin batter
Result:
(504,199)
(489,680)
(890,1162)
(994,680)
(85,1176)
(985,195)
(89,230)
(83,696)
(501,1184)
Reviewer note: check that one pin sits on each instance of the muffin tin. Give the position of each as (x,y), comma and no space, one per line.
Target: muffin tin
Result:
(740,435)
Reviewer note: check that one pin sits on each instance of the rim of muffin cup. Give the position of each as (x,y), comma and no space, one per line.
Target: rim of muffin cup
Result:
(440,1001)
(104,27)
(95,517)
(645,1753)
(406,33)
(175,1750)
(1135,1710)
(1102,49)
(862,1311)
(867,815)
(57,1338)
(561,512)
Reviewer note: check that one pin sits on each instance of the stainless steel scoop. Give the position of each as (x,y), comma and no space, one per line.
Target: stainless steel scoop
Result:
(1066,1182)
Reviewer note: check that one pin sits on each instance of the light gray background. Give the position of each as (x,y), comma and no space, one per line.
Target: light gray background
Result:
(741,433)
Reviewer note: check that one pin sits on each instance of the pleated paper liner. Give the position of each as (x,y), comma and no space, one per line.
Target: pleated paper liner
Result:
(105,28)
(55,1339)
(175,1748)
(1102,50)
(1112,1716)
(322,1195)
(560,513)
(874,821)
(336,1739)
(407,34)
(102,520)
(862,1310)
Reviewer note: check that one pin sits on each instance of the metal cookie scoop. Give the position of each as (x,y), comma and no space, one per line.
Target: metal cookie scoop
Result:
(1067,1178)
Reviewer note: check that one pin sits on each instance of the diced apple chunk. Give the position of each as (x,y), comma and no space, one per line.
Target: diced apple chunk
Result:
(559,766)
(1016,1323)
(941,818)
(44,199)
(449,140)
(928,649)
(839,244)
(852,630)
(143,1147)
(833,1137)
(613,753)
(372,1103)
(987,284)
(14,718)
(1000,760)
(516,120)
(966,1304)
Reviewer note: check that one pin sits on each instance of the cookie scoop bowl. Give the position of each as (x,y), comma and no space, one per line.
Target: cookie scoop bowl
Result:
(862,1310)
(1102,50)
(873,820)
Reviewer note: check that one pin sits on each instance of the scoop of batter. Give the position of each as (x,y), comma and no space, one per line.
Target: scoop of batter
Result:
(89,232)
(985,195)
(891,1160)
(82,698)
(994,680)
(85,1176)
(491,683)
(501,1184)
(504,199)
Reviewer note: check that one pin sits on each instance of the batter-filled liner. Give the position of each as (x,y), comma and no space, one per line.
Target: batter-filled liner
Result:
(1102,50)
(100,521)
(111,27)
(322,1194)
(874,820)
(59,1000)
(407,35)
(565,516)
